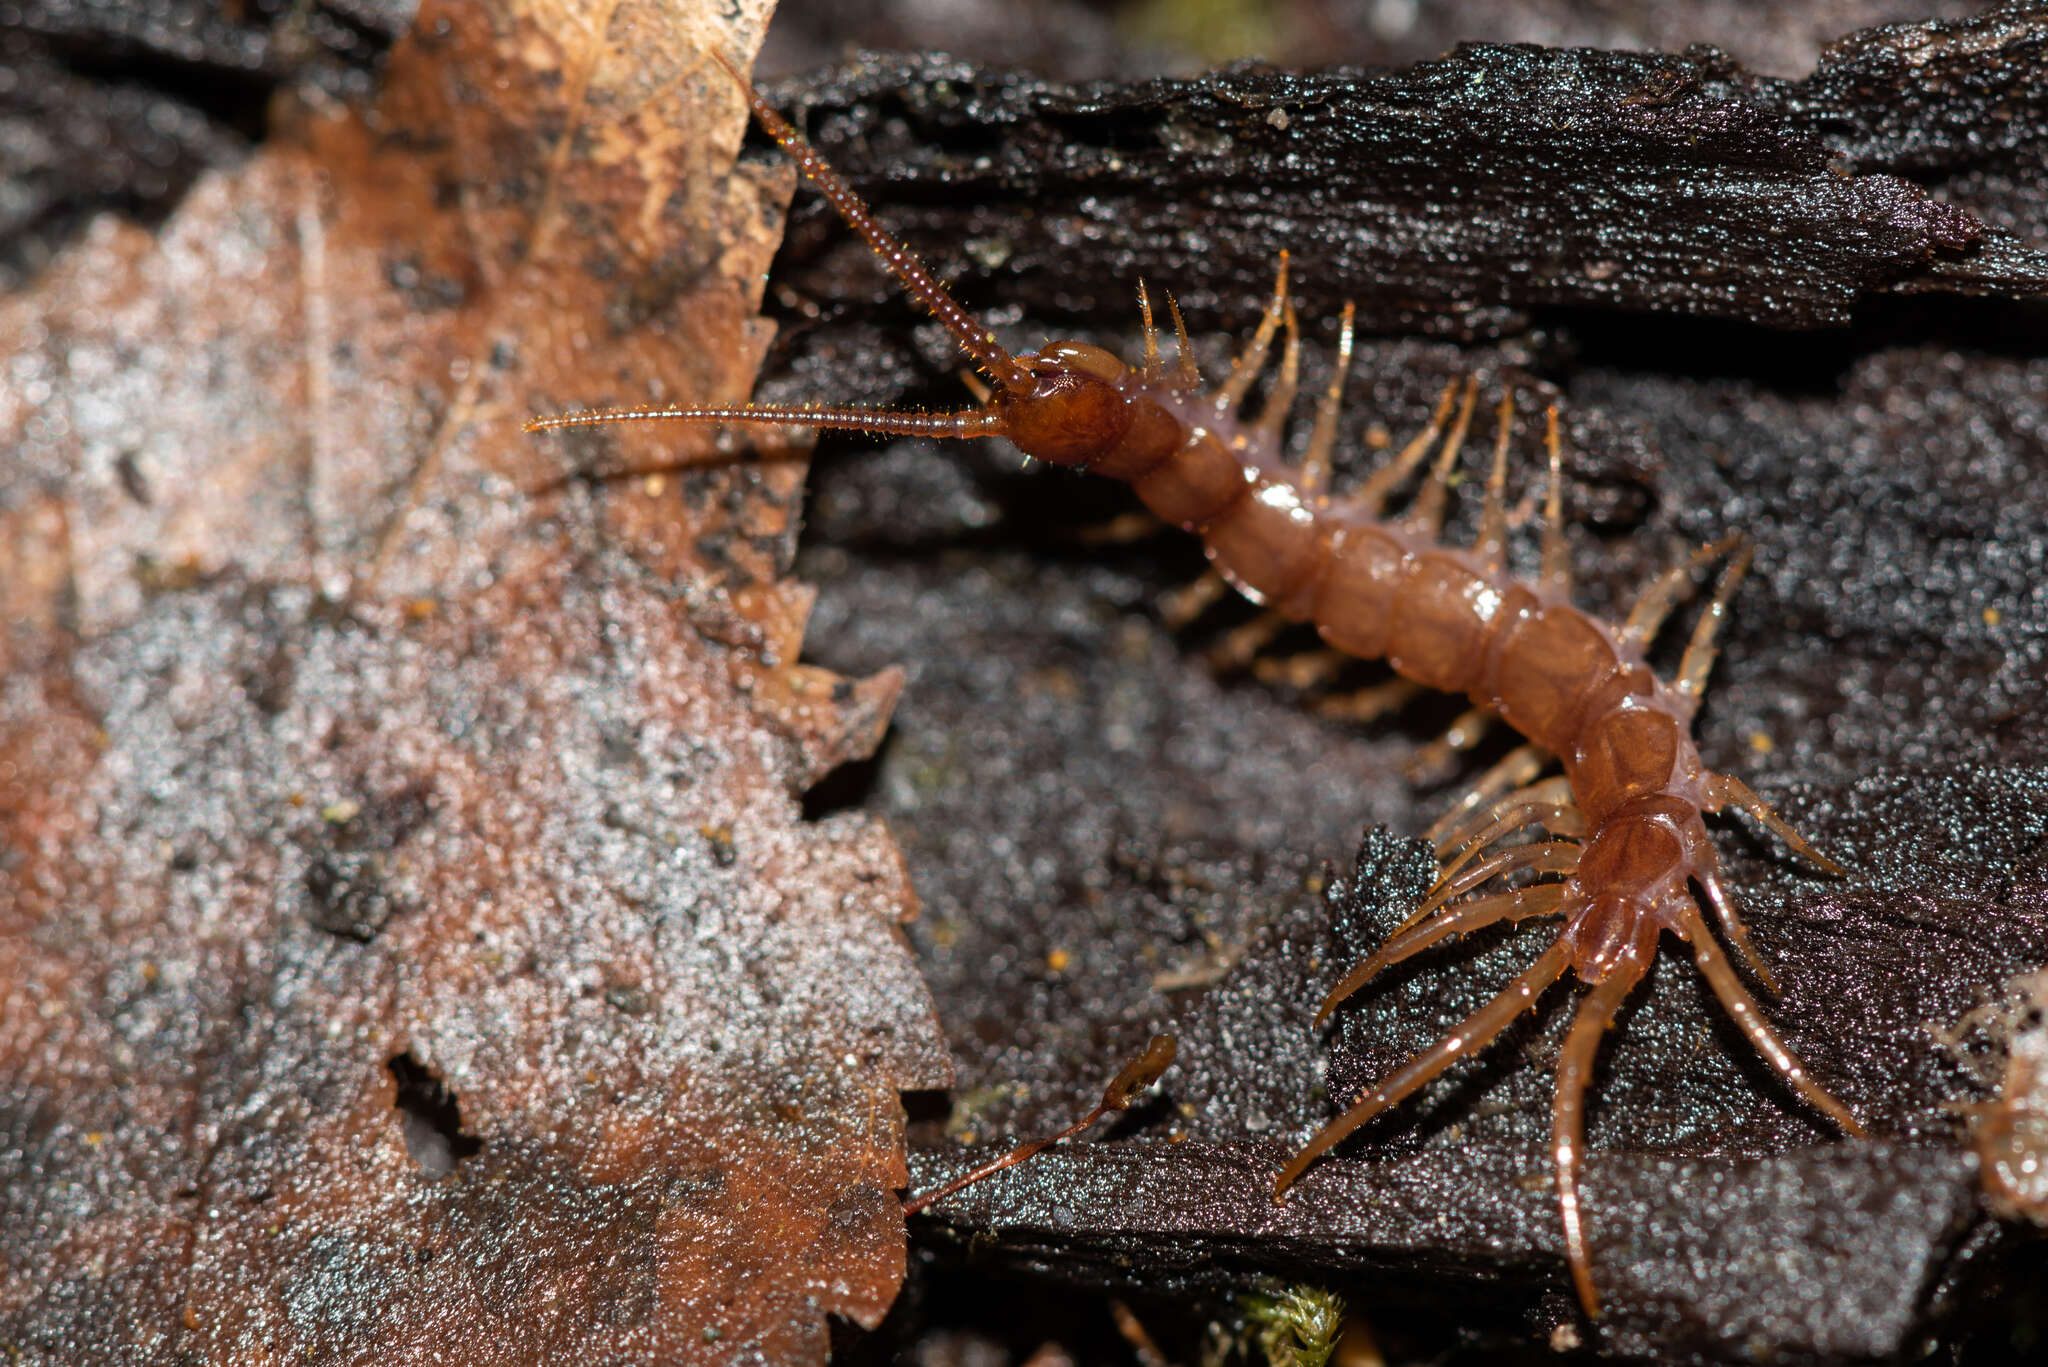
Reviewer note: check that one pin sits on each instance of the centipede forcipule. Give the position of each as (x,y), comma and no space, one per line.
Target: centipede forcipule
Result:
(1628,854)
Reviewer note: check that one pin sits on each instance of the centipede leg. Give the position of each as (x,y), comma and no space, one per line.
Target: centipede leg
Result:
(1558,818)
(1555,572)
(1273,416)
(1308,669)
(1475,1033)
(1700,650)
(1726,790)
(1242,643)
(1698,661)
(1668,589)
(1433,761)
(1743,1010)
(1315,465)
(1568,1112)
(1122,530)
(1370,498)
(1253,360)
(1462,919)
(1513,770)
(1426,514)
(1182,606)
(1510,813)
(1733,927)
(1543,856)
(1491,544)
(1369,704)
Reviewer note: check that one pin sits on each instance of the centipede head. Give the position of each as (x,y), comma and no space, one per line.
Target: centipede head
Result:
(1063,404)
(1075,409)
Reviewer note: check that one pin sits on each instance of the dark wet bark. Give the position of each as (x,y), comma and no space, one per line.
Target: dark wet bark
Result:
(1819,325)
(1794,305)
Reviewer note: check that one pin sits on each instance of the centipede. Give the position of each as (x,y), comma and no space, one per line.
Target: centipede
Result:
(1613,846)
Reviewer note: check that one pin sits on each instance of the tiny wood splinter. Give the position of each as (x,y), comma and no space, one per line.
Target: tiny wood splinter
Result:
(1627,844)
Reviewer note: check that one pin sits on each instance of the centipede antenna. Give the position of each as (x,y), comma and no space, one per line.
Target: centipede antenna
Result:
(1315,465)
(1555,572)
(972,422)
(974,339)
(1187,375)
(1248,365)
(1153,367)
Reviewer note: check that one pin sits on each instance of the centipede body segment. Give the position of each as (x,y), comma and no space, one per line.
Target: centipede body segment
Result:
(1626,857)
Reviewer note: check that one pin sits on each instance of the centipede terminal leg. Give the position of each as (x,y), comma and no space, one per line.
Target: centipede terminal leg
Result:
(1555,571)
(1568,1113)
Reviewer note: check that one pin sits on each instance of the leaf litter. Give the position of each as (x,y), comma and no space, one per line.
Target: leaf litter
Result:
(414,941)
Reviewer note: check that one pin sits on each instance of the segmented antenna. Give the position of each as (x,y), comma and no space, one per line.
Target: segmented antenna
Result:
(974,339)
(970,422)
(979,344)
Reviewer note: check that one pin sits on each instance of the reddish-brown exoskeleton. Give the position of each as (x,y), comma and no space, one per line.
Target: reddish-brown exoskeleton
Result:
(1627,847)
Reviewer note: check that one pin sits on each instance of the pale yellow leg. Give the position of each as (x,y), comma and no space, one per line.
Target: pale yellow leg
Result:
(1248,366)
(1427,513)
(1315,466)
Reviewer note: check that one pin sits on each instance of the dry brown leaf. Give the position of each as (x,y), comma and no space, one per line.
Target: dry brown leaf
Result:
(338,765)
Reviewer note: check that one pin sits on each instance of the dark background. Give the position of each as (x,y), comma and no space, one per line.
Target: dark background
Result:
(1807,318)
